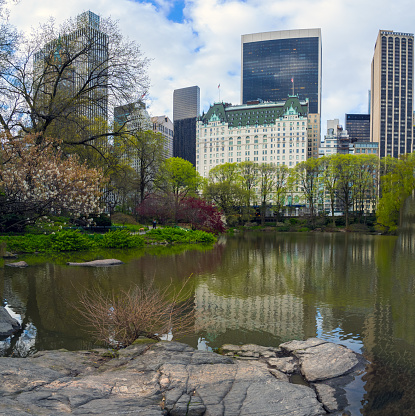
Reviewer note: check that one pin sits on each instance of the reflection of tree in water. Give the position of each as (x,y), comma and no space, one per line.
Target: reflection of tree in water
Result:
(389,388)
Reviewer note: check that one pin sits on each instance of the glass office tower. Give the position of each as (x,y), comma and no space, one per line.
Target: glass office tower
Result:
(278,64)
(358,127)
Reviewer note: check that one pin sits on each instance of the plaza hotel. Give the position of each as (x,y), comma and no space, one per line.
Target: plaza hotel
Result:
(261,132)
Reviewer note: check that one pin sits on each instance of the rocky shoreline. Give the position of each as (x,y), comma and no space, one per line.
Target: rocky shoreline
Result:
(170,378)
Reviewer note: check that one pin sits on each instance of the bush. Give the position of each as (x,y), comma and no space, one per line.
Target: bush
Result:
(27,243)
(119,319)
(121,239)
(102,220)
(173,235)
(293,221)
(69,240)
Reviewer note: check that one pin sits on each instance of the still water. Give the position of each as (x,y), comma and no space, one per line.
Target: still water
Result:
(263,288)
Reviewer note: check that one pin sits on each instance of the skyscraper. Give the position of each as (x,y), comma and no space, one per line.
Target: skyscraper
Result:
(186,107)
(72,72)
(186,103)
(282,63)
(391,93)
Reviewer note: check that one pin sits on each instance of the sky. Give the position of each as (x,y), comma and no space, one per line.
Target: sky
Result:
(198,42)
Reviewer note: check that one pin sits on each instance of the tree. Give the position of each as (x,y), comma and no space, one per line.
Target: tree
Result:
(365,182)
(36,181)
(330,176)
(176,179)
(224,188)
(281,177)
(64,81)
(307,176)
(145,151)
(201,215)
(248,178)
(397,185)
(266,186)
(346,166)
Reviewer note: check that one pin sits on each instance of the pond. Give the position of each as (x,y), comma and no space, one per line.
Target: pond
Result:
(253,287)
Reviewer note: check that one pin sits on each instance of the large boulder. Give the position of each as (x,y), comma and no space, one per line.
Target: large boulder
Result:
(8,325)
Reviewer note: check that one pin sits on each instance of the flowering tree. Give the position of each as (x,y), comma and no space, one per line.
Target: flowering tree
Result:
(35,181)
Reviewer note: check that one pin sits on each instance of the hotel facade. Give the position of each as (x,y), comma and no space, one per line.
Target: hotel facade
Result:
(261,132)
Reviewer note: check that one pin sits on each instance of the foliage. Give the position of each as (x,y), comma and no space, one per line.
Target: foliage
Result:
(176,179)
(266,186)
(146,150)
(36,181)
(102,220)
(69,240)
(225,190)
(173,235)
(122,239)
(397,185)
(201,215)
(118,320)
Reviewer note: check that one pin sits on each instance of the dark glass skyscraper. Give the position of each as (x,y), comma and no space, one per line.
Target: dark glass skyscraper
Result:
(358,127)
(278,64)
(186,107)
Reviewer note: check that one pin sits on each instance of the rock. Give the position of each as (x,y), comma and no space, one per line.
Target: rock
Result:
(286,365)
(8,325)
(8,255)
(279,375)
(295,345)
(17,264)
(98,263)
(324,361)
(149,380)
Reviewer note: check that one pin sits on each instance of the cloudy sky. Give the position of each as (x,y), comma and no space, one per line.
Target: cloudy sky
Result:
(197,42)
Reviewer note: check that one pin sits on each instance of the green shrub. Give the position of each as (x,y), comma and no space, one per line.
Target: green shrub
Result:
(28,243)
(293,221)
(102,220)
(121,239)
(304,229)
(173,235)
(69,240)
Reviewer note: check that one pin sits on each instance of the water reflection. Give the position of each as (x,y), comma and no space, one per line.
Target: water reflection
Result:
(264,288)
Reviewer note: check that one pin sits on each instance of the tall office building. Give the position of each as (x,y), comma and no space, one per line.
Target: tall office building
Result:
(391,93)
(358,127)
(186,108)
(278,64)
(87,72)
(186,103)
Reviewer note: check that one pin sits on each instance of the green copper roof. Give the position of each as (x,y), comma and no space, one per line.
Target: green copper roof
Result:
(254,114)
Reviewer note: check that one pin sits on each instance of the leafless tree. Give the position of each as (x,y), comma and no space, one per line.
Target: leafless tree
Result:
(65,81)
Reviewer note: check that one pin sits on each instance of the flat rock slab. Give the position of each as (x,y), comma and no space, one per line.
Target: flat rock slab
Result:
(167,378)
(97,263)
(8,325)
(322,360)
(17,264)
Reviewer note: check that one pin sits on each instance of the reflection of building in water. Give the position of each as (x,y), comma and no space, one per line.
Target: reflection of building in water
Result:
(280,315)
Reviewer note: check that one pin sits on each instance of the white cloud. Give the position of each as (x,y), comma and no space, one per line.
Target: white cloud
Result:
(204,50)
